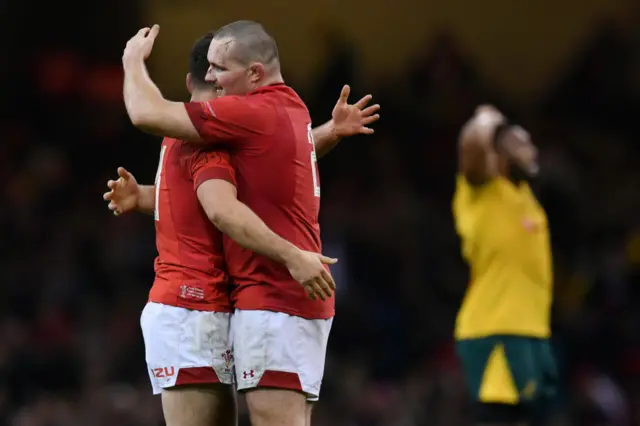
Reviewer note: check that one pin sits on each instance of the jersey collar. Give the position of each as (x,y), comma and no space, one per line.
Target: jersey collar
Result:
(270,88)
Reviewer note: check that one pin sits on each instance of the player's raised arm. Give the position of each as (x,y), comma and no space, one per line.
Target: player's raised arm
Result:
(477,159)
(147,108)
(486,137)
(218,121)
(346,120)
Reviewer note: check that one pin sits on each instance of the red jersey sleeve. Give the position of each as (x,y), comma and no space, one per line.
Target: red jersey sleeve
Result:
(232,119)
(213,164)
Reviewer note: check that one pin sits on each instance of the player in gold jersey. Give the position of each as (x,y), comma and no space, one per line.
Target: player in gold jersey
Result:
(503,326)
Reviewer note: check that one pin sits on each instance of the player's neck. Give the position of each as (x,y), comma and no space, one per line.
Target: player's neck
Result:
(202,96)
(276,78)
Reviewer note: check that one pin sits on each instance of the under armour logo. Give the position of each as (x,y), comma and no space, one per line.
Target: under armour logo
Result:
(247,374)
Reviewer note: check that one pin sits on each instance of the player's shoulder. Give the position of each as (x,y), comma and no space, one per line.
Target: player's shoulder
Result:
(239,103)
(278,95)
(230,106)
(197,158)
(255,113)
(468,194)
(194,151)
(491,185)
(464,188)
(169,142)
(170,149)
(220,154)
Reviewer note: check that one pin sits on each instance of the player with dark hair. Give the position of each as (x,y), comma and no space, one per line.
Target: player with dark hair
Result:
(185,323)
(198,66)
(218,198)
(503,327)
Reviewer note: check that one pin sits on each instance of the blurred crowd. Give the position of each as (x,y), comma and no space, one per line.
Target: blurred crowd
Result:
(75,278)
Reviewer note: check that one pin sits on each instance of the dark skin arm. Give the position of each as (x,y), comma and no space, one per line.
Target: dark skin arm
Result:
(477,159)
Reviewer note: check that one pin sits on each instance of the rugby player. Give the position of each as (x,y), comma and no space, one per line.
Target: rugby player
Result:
(503,326)
(272,143)
(186,322)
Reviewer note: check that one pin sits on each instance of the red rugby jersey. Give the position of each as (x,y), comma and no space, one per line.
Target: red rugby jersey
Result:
(269,134)
(190,268)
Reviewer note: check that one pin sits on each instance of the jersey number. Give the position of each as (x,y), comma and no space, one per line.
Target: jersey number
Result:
(156,210)
(314,163)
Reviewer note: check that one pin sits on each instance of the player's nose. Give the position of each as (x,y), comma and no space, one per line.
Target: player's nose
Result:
(210,76)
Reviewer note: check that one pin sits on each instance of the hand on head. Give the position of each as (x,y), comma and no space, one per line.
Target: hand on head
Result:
(513,141)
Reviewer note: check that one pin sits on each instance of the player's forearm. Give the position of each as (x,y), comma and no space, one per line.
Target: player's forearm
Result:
(243,226)
(325,138)
(150,111)
(476,158)
(146,199)
(141,95)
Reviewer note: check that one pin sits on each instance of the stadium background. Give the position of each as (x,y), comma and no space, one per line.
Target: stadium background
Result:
(74,278)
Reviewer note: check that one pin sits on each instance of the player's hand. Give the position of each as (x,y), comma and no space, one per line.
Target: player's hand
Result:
(514,141)
(140,45)
(349,120)
(123,193)
(308,269)
(482,126)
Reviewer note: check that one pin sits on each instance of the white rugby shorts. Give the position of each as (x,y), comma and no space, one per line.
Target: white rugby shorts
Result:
(186,347)
(277,350)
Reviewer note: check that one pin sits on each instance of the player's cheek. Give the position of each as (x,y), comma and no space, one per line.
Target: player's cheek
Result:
(226,81)
(231,82)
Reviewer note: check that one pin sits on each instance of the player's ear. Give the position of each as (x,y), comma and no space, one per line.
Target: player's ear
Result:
(256,72)
(189,84)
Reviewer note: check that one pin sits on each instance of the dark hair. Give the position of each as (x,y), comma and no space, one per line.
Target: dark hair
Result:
(198,63)
(251,42)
